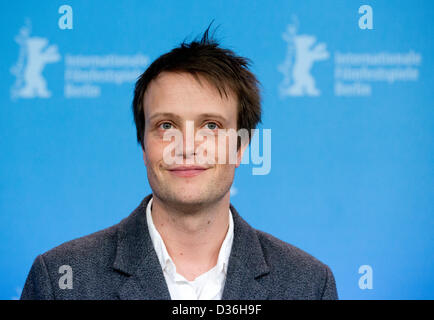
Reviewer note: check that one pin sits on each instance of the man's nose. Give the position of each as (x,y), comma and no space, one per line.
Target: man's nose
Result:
(189,146)
(188,141)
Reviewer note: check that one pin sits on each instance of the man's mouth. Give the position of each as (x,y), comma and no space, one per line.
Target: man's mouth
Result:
(187,171)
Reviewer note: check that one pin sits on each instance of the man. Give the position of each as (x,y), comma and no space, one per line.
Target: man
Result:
(185,240)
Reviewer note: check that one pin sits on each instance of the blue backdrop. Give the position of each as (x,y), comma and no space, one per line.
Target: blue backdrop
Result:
(350,108)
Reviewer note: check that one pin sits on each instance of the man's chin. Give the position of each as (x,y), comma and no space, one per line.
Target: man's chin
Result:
(190,200)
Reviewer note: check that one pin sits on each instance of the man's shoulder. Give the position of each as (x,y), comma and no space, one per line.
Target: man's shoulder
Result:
(284,257)
(98,246)
(302,275)
(94,248)
(89,262)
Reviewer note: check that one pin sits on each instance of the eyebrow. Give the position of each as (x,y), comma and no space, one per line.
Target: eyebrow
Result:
(164,115)
(201,116)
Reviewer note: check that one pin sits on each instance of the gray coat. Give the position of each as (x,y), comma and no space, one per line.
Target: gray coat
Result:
(120,263)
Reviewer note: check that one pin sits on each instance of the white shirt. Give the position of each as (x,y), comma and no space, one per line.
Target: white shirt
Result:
(207,286)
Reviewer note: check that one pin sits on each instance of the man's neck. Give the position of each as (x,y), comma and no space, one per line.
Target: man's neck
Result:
(193,240)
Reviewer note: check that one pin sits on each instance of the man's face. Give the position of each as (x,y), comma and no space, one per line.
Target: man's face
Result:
(170,101)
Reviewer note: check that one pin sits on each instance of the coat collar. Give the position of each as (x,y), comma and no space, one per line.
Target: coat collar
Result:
(136,257)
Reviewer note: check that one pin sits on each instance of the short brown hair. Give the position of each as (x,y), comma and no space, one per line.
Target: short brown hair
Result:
(221,67)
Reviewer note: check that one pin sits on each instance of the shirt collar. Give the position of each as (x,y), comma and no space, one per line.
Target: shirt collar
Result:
(166,261)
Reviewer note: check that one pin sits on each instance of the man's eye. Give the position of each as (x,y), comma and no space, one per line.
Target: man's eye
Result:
(166,126)
(211,125)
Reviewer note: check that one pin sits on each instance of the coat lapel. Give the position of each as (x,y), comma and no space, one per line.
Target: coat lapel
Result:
(246,264)
(136,258)
(147,284)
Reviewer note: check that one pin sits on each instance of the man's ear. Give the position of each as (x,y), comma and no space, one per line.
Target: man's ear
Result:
(240,153)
